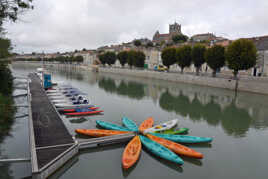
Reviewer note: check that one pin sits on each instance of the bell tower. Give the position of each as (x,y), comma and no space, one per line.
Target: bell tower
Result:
(175,28)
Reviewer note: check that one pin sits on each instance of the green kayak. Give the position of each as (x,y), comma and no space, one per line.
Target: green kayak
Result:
(174,131)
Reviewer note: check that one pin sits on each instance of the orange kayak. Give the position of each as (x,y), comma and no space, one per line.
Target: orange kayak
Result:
(148,123)
(175,147)
(99,132)
(131,153)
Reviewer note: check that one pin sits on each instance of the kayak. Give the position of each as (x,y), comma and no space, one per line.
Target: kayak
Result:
(160,150)
(148,123)
(183,138)
(131,153)
(82,113)
(71,106)
(99,132)
(63,107)
(131,125)
(175,147)
(172,131)
(162,127)
(111,126)
(74,110)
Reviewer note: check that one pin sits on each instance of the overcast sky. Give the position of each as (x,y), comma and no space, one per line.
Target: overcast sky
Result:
(66,25)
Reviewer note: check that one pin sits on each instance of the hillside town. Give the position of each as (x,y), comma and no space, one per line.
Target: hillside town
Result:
(153,48)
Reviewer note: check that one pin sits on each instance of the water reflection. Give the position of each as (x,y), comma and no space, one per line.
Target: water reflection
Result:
(235,121)
(130,89)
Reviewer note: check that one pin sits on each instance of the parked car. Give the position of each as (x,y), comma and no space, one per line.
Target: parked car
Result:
(160,68)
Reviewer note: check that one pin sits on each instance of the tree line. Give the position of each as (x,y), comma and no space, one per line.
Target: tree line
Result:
(132,58)
(59,59)
(239,55)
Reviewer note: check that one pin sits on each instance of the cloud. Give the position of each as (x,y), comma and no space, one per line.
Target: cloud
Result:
(66,25)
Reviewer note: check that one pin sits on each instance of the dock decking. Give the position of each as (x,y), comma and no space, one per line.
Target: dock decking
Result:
(48,135)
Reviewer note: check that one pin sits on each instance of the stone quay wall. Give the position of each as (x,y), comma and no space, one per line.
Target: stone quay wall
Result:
(248,85)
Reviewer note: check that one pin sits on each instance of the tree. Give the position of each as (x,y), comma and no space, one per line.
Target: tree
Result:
(122,57)
(179,38)
(84,49)
(10,9)
(5,47)
(139,59)
(78,59)
(168,56)
(109,57)
(198,56)
(215,58)
(137,43)
(149,44)
(241,55)
(101,58)
(131,58)
(183,56)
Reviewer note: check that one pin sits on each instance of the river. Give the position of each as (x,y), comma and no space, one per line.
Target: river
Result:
(238,124)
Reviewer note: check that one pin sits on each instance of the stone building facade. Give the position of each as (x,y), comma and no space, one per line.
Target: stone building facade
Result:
(203,37)
(174,29)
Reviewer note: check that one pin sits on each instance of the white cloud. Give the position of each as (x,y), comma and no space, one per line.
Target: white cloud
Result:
(64,25)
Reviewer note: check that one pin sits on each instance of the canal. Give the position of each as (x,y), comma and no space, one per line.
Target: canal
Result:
(237,122)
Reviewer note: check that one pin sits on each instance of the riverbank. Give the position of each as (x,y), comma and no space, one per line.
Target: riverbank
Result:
(247,84)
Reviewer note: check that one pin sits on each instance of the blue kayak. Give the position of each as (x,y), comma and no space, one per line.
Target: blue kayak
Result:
(160,150)
(111,126)
(84,110)
(131,125)
(183,138)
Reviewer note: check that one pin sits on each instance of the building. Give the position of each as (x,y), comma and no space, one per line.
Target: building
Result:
(261,67)
(174,29)
(203,37)
(89,56)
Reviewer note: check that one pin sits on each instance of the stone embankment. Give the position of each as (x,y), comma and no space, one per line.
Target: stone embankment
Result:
(248,85)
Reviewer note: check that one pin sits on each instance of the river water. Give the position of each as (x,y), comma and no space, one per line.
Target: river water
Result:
(237,122)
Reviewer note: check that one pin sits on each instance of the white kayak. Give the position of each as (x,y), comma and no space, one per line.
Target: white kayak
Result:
(162,127)
(71,106)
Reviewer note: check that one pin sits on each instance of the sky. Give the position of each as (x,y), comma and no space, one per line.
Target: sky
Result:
(66,25)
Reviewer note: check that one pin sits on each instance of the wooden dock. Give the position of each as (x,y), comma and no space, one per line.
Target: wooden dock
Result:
(51,144)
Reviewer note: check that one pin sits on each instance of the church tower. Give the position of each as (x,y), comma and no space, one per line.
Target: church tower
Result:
(175,28)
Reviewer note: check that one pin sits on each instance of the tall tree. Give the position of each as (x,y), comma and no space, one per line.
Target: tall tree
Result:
(241,55)
(110,57)
(137,43)
(183,56)
(215,58)
(168,56)
(10,9)
(101,58)
(198,56)
(131,58)
(179,38)
(122,57)
(139,59)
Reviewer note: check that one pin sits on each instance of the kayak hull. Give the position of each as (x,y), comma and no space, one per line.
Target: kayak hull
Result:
(148,123)
(111,126)
(131,153)
(83,113)
(163,126)
(175,147)
(183,138)
(160,150)
(99,132)
(172,131)
(131,125)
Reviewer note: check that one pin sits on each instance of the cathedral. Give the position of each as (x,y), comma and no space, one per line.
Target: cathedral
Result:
(174,29)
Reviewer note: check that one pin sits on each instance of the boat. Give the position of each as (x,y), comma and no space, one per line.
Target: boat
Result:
(148,123)
(131,125)
(74,110)
(172,131)
(131,153)
(62,106)
(99,132)
(160,150)
(175,147)
(83,113)
(183,138)
(111,126)
(162,127)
